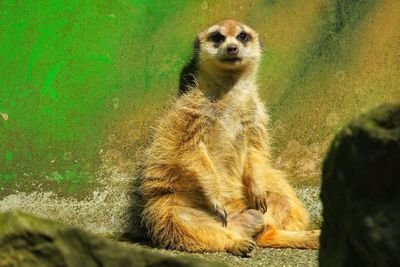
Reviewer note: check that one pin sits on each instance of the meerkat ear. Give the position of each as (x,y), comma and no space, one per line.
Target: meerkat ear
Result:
(261,43)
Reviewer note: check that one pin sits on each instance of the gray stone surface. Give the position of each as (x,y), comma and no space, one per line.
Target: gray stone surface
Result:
(26,240)
(361,193)
(265,257)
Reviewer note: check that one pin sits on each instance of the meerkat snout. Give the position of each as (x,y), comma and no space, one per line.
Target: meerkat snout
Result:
(232,49)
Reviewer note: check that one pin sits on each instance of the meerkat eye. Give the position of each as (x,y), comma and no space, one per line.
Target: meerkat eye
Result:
(216,37)
(243,37)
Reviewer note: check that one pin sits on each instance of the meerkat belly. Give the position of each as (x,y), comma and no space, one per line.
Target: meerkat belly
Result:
(228,152)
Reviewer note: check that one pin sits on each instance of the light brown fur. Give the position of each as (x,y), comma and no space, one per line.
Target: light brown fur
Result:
(210,162)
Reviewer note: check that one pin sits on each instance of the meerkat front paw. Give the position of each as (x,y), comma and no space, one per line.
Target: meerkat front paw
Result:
(220,211)
(242,247)
(259,202)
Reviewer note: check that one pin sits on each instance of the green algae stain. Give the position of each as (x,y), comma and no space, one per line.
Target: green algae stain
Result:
(101,58)
(328,48)
(9,157)
(48,87)
(60,74)
(4,177)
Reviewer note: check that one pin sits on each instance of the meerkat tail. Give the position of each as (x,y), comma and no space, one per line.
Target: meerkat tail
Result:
(275,238)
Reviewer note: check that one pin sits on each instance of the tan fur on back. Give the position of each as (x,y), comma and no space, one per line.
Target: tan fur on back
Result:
(210,162)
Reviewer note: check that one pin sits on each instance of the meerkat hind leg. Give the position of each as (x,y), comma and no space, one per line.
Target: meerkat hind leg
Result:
(201,232)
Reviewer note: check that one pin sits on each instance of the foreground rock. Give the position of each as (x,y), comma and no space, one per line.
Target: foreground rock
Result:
(361,193)
(26,240)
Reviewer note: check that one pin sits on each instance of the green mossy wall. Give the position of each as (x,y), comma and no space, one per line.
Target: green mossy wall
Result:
(81,82)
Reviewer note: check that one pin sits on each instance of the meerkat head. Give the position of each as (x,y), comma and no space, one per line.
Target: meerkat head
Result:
(229,45)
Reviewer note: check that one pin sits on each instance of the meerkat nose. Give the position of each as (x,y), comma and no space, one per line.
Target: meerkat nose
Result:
(232,49)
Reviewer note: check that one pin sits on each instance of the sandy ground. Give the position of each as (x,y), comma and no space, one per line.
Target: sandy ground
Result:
(260,257)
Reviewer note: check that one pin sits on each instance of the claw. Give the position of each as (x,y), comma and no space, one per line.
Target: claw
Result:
(260,203)
(243,248)
(263,206)
(222,215)
(224,218)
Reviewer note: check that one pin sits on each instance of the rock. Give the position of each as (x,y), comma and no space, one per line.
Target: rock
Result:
(26,240)
(361,193)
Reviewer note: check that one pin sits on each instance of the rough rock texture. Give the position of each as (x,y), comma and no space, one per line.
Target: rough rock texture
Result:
(360,193)
(260,257)
(26,240)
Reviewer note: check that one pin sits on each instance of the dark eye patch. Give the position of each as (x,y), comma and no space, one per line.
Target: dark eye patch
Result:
(243,37)
(216,37)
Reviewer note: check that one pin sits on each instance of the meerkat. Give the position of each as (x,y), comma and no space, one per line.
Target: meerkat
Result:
(208,179)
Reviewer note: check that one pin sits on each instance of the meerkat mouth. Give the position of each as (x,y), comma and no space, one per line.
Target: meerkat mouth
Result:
(231,60)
